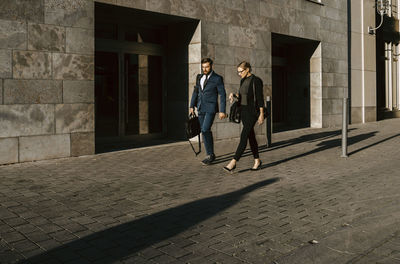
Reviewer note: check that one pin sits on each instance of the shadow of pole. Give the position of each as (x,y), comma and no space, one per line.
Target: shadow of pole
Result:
(374,144)
(324,145)
(127,239)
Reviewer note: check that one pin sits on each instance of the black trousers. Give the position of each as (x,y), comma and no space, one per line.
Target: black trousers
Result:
(249,119)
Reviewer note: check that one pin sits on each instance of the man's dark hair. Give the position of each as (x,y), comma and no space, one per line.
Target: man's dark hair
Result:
(205,60)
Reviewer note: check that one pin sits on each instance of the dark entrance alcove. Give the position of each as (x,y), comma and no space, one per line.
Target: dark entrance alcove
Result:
(291,81)
(141,77)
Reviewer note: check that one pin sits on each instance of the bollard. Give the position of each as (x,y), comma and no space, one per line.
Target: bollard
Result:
(344,128)
(269,122)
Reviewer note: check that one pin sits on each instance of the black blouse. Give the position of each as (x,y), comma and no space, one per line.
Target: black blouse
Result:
(259,98)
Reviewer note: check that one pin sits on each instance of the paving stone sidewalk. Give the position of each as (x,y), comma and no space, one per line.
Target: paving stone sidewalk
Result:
(161,205)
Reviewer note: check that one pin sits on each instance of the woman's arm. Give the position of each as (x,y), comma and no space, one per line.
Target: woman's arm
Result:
(259,92)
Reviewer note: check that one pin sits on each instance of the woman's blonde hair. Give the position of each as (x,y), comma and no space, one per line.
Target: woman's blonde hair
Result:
(245,65)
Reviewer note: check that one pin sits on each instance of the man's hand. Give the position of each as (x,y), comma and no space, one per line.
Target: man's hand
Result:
(191,110)
(222,116)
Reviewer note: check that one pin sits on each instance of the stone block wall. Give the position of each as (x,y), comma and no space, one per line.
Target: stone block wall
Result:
(46,79)
(363,62)
(236,30)
(47,62)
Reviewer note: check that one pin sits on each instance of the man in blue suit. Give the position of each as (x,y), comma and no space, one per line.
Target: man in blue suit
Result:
(205,99)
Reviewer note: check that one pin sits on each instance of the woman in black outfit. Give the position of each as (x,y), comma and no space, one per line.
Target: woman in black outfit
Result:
(251,112)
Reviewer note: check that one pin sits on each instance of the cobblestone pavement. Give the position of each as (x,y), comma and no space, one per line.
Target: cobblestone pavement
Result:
(160,205)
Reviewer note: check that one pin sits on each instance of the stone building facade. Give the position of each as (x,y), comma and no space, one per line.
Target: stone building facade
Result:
(49,55)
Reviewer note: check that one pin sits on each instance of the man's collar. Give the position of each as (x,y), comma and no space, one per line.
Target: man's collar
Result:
(209,74)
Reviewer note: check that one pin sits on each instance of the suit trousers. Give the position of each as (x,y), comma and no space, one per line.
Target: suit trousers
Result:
(206,120)
(249,118)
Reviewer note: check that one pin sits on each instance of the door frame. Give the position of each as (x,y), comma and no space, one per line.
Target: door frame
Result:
(122,47)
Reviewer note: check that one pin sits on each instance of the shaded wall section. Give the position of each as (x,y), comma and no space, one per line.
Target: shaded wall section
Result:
(183,50)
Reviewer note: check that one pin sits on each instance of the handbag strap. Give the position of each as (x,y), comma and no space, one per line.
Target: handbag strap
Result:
(196,152)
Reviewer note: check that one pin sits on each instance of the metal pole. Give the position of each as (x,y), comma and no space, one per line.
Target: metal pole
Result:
(344,128)
(269,122)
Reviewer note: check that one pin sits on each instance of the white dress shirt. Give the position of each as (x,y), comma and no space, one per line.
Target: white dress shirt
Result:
(204,78)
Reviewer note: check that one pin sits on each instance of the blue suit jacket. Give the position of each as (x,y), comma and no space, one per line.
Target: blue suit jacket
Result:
(206,100)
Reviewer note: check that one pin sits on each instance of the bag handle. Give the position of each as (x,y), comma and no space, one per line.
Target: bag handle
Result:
(191,115)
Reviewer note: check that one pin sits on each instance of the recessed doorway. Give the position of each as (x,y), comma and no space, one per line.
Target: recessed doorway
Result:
(296,86)
(133,93)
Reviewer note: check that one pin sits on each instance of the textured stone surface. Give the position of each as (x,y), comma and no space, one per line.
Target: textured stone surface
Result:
(82,144)
(1,91)
(370,114)
(31,65)
(195,53)
(5,64)
(158,6)
(333,106)
(224,55)
(8,150)
(243,54)
(46,37)
(73,67)
(261,58)
(242,37)
(74,118)
(140,4)
(214,33)
(331,120)
(201,214)
(30,10)
(187,8)
(72,13)
(32,92)
(12,34)
(44,147)
(22,120)
(80,40)
(78,91)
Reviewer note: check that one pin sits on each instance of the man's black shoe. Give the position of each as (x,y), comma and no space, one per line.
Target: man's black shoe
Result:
(209,160)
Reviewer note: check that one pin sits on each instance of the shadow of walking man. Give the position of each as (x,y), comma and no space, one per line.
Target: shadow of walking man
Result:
(118,242)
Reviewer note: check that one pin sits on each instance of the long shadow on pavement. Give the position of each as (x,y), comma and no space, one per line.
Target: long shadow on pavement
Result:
(324,145)
(374,144)
(127,239)
(285,143)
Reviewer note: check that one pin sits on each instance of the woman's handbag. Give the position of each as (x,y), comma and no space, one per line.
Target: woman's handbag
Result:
(234,113)
(193,129)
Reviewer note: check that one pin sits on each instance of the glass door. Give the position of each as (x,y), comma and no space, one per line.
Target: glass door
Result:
(142,94)
(106,94)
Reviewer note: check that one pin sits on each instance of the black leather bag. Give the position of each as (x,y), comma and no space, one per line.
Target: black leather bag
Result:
(234,113)
(193,129)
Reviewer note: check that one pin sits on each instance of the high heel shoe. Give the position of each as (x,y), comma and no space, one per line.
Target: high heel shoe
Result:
(258,167)
(230,170)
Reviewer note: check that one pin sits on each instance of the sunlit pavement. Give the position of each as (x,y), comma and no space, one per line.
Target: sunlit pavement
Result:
(161,205)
